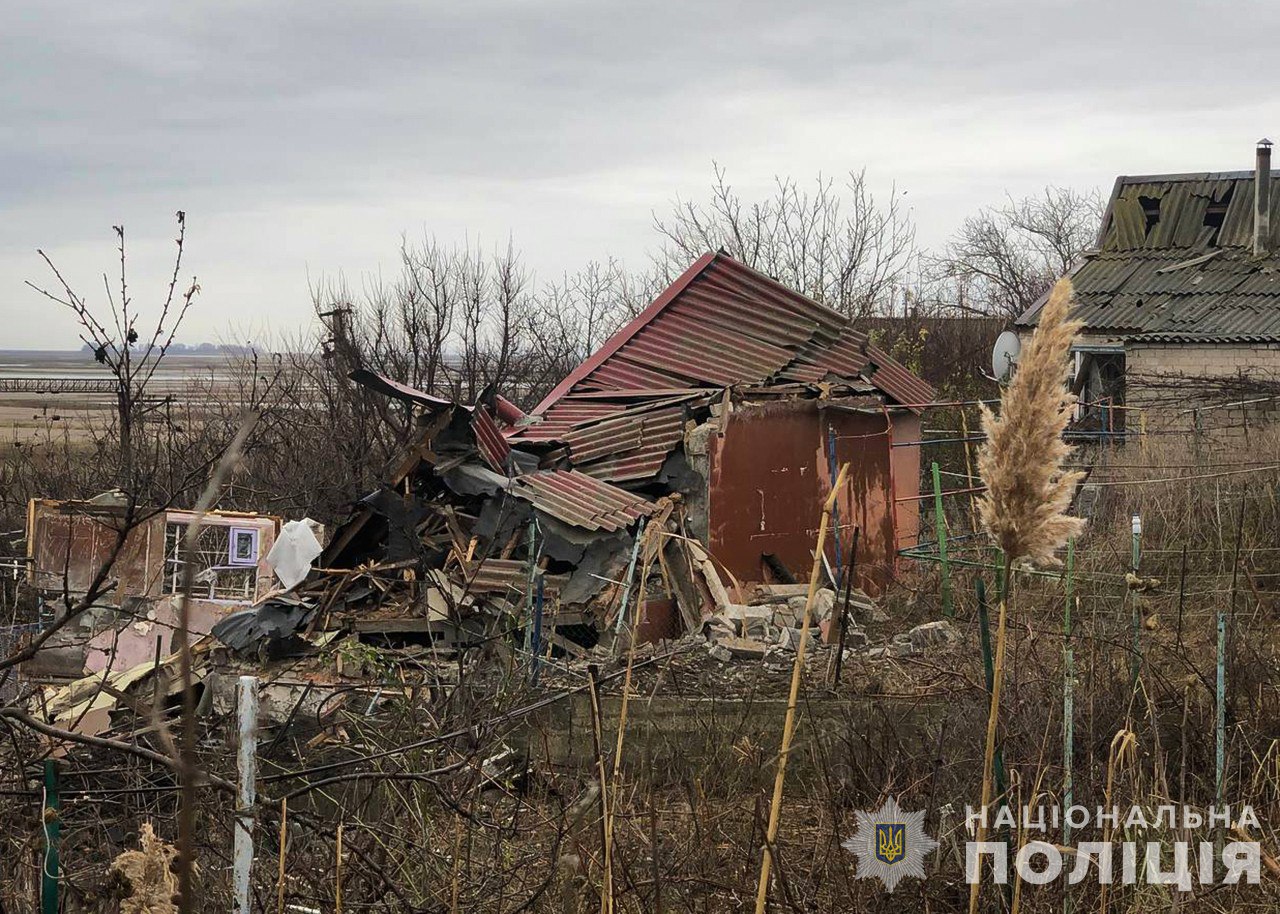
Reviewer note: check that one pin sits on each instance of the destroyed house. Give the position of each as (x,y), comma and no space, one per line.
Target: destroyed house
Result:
(708,428)
(1180,302)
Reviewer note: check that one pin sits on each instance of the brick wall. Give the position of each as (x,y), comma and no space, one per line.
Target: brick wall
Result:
(1184,386)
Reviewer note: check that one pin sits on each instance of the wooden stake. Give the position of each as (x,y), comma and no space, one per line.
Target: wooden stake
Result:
(607,898)
(337,872)
(597,737)
(1068,709)
(789,722)
(284,838)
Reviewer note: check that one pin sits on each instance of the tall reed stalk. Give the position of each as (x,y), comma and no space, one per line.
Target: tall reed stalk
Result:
(1027,489)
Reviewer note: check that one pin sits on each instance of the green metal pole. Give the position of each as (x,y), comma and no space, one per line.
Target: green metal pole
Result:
(939,522)
(52,835)
(988,667)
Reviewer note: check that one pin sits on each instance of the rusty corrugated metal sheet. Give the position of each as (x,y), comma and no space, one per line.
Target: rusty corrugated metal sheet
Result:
(507,576)
(492,445)
(896,381)
(720,325)
(556,422)
(581,500)
(391,388)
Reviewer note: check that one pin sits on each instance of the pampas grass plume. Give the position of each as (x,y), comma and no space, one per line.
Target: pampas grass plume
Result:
(1028,491)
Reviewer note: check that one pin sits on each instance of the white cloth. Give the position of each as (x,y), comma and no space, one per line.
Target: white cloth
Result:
(293,552)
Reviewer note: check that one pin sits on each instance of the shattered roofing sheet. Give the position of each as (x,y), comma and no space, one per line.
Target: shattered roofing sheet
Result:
(507,576)
(489,441)
(581,500)
(1182,278)
(724,324)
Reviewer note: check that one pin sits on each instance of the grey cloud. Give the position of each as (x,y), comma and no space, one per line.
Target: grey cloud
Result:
(323,130)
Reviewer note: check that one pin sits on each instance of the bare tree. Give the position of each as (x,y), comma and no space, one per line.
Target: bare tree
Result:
(1005,257)
(835,243)
(574,316)
(131,356)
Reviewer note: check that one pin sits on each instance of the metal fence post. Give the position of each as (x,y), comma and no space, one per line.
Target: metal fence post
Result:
(247,764)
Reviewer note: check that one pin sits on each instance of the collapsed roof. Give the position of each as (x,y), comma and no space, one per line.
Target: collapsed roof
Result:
(720,325)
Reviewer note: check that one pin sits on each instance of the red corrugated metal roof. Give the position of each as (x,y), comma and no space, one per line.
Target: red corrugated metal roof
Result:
(896,381)
(720,324)
(581,500)
(507,576)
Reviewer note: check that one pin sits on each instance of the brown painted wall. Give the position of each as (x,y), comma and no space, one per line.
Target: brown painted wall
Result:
(69,543)
(769,477)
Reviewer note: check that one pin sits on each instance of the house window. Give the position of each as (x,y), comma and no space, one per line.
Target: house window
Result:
(243,547)
(225,560)
(1100,386)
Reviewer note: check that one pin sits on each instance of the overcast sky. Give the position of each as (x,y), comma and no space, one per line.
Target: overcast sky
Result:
(303,139)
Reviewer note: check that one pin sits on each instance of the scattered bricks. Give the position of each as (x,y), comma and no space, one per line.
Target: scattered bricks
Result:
(902,649)
(718,627)
(719,652)
(931,634)
(878,653)
(824,602)
(855,639)
(862,606)
(776,593)
(789,639)
(786,617)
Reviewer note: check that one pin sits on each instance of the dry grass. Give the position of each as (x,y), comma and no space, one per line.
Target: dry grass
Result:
(151,883)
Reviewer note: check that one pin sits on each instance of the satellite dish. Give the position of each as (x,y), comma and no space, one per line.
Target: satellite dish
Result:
(1004,355)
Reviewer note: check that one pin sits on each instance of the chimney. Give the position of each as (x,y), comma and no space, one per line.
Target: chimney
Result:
(1262,199)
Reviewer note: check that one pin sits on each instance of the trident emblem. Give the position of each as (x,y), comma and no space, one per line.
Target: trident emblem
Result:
(891,839)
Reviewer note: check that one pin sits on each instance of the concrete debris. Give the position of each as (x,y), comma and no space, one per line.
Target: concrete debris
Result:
(916,641)
(719,652)
(744,648)
(789,639)
(932,634)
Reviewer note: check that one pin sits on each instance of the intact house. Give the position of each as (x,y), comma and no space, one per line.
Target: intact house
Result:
(1181,304)
(134,618)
